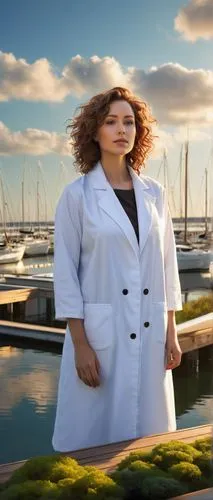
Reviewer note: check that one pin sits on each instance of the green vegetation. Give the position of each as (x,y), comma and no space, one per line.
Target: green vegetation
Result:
(172,453)
(195,308)
(169,470)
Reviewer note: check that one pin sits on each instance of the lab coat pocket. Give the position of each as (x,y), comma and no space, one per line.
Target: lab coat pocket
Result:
(160,321)
(98,325)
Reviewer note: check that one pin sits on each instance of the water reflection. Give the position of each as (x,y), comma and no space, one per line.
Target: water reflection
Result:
(29,374)
(29,266)
(26,376)
(193,382)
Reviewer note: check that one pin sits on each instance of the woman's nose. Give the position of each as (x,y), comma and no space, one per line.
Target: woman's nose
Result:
(121,129)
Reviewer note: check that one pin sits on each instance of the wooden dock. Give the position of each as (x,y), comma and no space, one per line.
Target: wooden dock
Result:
(192,334)
(16,294)
(198,495)
(107,457)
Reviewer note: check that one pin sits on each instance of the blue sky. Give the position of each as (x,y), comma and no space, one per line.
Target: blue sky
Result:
(161,50)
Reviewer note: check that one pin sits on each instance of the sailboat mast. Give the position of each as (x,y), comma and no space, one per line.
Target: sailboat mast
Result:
(22,201)
(186,190)
(23,195)
(3,204)
(38,203)
(206,201)
(164,168)
(181,182)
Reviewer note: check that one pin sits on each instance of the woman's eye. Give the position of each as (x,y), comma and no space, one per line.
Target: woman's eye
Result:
(129,122)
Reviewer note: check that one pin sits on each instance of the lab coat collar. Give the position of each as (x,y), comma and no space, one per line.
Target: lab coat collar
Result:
(109,202)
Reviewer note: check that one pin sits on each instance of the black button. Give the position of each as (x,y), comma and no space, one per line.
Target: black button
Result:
(146,291)
(133,336)
(125,291)
(146,324)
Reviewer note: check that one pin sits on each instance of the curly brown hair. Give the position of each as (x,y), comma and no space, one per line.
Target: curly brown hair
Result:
(86,150)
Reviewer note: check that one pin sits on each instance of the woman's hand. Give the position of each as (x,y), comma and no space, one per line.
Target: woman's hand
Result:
(173,352)
(87,365)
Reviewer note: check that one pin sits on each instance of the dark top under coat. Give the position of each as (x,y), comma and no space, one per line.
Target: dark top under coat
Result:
(128,202)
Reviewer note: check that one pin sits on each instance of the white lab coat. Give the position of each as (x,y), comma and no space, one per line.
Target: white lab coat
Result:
(119,288)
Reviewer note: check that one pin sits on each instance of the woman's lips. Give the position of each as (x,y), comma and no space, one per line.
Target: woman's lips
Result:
(121,142)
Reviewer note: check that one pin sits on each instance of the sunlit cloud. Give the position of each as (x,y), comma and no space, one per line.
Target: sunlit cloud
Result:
(178,96)
(165,141)
(32,142)
(30,82)
(39,387)
(195,20)
(94,74)
(39,81)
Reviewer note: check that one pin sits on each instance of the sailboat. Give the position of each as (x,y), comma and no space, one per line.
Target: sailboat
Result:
(188,257)
(34,246)
(9,252)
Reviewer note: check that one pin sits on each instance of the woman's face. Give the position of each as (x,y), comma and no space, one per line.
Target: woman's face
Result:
(117,134)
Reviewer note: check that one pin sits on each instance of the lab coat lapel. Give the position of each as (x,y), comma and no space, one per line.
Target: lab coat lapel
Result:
(109,202)
(145,202)
(112,206)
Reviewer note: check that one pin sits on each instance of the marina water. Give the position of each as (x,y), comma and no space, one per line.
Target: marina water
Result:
(30,371)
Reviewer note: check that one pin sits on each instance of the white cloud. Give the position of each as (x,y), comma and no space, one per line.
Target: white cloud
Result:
(195,20)
(32,142)
(31,82)
(178,96)
(39,82)
(87,76)
(193,134)
(167,140)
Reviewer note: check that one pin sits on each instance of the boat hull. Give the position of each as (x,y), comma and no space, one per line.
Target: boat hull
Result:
(11,255)
(196,261)
(36,248)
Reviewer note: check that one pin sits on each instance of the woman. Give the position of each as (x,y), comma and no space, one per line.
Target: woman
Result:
(116,282)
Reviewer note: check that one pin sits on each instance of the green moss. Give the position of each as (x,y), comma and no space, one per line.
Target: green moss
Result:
(144,467)
(52,468)
(195,308)
(204,462)
(66,468)
(160,488)
(131,481)
(94,482)
(203,445)
(167,454)
(132,457)
(30,490)
(185,472)
(170,469)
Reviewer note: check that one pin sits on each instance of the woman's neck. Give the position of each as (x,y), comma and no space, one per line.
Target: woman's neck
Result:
(116,172)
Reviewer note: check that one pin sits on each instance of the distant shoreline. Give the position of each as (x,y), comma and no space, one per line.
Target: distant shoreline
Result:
(176,220)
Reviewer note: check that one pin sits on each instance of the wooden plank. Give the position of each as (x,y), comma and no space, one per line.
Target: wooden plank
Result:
(195,340)
(197,495)
(107,457)
(20,295)
(30,326)
(188,341)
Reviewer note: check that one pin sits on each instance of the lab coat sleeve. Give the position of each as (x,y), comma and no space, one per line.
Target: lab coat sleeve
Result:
(172,282)
(67,243)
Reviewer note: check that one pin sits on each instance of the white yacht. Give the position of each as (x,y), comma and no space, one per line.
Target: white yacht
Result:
(36,246)
(11,253)
(190,258)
